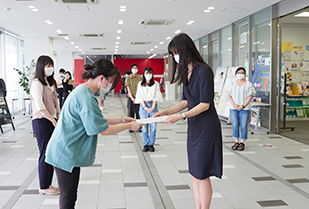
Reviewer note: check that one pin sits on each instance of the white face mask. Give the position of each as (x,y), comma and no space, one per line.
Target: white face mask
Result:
(49,71)
(61,75)
(240,76)
(176,57)
(134,70)
(148,76)
(108,88)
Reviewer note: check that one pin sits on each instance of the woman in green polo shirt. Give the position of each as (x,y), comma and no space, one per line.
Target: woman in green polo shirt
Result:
(74,140)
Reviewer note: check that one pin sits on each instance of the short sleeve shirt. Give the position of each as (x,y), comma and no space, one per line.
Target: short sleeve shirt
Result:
(132,82)
(74,140)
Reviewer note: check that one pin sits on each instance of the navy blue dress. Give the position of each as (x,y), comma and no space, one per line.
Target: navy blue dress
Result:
(204,143)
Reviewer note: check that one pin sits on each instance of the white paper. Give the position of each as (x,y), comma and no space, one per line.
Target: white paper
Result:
(152,120)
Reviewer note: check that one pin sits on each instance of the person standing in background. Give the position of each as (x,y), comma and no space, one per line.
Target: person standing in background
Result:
(68,85)
(2,87)
(240,93)
(148,95)
(131,84)
(45,112)
(59,79)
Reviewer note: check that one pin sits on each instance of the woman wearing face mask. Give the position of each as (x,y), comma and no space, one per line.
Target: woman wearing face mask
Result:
(240,94)
(68,85)
(148,94)
(204,140)
(60,86)
(74,141)
(45,112)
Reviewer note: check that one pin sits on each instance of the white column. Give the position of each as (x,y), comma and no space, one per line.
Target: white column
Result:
(37,46)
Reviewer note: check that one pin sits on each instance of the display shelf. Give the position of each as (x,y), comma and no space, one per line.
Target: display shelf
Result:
(297,108)
(289,107)
(297,119)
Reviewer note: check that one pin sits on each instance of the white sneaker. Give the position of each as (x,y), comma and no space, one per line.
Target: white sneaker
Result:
(50,191)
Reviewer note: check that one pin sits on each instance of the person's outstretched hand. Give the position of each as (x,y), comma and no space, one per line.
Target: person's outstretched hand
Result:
(128,119)
(157,114)
(136,126)
(172,119)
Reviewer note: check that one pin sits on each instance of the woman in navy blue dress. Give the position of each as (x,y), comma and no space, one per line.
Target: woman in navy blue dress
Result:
(204,142)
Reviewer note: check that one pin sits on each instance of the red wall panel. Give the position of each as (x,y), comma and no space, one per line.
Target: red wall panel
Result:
(157,66)
(78,71)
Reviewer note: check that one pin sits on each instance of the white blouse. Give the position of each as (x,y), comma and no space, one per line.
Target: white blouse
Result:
(240,94)
(148,93)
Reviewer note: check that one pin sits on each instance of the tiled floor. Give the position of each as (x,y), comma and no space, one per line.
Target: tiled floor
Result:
(123,177)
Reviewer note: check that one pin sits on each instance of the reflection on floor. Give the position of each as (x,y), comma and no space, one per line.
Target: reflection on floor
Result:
(272,172)
(300,132)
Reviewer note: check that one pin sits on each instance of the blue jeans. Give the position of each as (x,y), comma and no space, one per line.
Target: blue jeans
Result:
(148,140)
(240,118)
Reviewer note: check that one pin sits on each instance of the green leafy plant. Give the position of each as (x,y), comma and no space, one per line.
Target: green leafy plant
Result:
(26,77)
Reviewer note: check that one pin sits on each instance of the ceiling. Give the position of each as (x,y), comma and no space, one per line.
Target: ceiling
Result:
(74,19)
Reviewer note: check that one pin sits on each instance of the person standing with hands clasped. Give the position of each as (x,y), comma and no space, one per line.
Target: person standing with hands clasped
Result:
(74,141)
(148,94)
(131,84)
(204,140)
(240,93)
(45,112)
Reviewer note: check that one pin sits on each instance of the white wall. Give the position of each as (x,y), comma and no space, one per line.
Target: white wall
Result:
(297,35)
(65,60)
(37,46)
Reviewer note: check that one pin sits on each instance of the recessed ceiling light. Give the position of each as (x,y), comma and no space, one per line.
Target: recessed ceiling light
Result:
(303,14)
(71,42)
(168,37)
(123,7)
(210,8)
(76,47)
(116,49)
(116,52)
(148,52)
(59,31)
(122,10)
(35,10)
(119,31)
(118,37)
(117,42)
(83,52)
(80,50)
(206,10)
(49,22)
(156,47)
(151,49)
(67,38)
(31,7)
(177,31)
(120,22)
(152,56)
(161,42)
(116,46)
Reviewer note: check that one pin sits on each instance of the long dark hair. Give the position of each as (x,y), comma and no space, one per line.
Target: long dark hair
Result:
(70,76)
(40,73)
(102,67)
(185,47)
(151,82)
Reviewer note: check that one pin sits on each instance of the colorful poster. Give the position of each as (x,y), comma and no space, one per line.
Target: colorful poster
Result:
(287,46)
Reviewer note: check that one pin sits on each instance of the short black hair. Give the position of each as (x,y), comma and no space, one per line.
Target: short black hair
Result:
(240,68)
(61,70)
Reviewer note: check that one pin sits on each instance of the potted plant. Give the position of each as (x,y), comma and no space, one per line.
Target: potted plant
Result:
(26,77)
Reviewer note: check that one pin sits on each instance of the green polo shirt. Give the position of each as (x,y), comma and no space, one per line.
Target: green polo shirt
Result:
(132,82)
(74,140)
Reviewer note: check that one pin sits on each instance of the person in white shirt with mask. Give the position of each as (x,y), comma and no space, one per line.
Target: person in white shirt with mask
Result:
(239,95)
(59,79)
(148,95)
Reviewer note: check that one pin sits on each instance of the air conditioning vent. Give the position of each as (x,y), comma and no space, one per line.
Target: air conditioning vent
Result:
(139,43)
(63,34)
(98,49)
(152,22)
(91,35)
(76,1)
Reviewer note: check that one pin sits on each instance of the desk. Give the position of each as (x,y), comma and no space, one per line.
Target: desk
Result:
(256,107)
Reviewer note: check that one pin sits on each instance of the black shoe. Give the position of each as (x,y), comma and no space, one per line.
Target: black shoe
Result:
(151,148)
(146,148)
(139,130)
(130,131)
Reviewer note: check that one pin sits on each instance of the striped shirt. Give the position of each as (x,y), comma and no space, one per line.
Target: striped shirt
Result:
(240,94)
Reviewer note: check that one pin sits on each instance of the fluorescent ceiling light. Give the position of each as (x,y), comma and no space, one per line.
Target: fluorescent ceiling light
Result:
(76,47)
(123,7)
(178,31)
(148,52)
(303,14)
(116,46)
(122,10)
(116,49)
(156,47)
(206,10)
(49,22)
(80,50)
(168,37)
(152,56)
(116,52)
(120,22)
(210,8)
(205,46)
(67,38)
(71,42)
(151,49)
(83,52)
(118,37)
(117,42)
(161,42)
(119,31)
(35,10)
(31,7)
(59,31)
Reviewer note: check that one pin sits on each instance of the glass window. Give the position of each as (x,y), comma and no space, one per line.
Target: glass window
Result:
(240,43)
(197,44)
(261,58)
(225,46)
(214,55)
(204,48)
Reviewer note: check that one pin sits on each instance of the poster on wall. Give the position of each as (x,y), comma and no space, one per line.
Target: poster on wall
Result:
(220,79)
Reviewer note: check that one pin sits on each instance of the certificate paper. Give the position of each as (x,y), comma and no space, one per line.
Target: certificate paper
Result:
(152,120)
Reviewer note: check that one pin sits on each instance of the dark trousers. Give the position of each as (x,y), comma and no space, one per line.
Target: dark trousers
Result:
(132,109)
(60,94)
(43,129)
(68,184)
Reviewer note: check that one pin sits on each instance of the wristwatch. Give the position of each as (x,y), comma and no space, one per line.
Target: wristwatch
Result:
(122,119)
(243,106)
(183,116)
